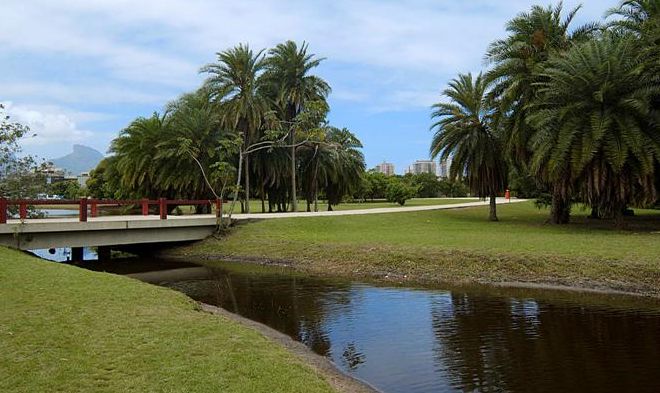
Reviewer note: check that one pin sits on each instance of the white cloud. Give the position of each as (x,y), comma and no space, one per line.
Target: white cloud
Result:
(383,55)
(51,125)
(82,92)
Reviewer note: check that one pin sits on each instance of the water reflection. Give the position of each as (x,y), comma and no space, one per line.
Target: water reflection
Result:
(405,340)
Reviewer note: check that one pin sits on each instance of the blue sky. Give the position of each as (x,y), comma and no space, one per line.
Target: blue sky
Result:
(80,71)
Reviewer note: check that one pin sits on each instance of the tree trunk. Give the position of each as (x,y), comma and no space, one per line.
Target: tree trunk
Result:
(247,183)
(294,197)
(263,197)
(493,208)
(619,216)
(561,208)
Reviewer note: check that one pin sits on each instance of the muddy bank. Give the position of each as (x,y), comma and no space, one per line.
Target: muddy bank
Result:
(424,278)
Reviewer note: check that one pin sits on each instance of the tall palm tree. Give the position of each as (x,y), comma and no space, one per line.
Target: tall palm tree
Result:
(533,38)
(593,120)
(465,131)
(292,85)
(236,83)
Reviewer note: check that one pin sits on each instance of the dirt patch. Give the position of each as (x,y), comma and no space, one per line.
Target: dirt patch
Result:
(338,380)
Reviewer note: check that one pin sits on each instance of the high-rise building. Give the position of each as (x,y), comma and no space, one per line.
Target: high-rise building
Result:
(423,166)
(386,168)
(443,168)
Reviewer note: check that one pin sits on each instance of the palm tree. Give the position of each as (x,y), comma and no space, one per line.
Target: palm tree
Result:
(346,166)
(135,151)
(236,84)
(636,16)
(593,119)
(533,38)
(292,86)
(190,143)
(465,131)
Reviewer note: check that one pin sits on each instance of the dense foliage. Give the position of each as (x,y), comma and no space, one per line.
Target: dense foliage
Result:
(567,113)
(256,127)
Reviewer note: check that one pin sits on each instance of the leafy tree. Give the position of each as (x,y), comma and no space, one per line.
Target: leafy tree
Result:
(69,189)
(399,192)
(292,87)
(100,184)
(19,174)
(465,131)
(453,188)
(377,184)
(427,185)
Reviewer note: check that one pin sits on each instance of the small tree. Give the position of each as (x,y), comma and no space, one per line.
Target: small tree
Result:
(399,192)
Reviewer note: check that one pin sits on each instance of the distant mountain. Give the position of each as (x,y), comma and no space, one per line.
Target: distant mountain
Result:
(83,159)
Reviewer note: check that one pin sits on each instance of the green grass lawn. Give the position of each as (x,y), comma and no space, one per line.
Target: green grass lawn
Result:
(65,329)
(459,245)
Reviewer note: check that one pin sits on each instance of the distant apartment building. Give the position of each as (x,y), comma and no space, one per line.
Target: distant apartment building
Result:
(422,166)
(82,179)
(443,168)
(52,173)
(385,168)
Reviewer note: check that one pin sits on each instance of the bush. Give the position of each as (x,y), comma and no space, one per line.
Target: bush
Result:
(399,192)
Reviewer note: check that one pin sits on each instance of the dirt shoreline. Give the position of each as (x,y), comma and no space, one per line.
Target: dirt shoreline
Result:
(333,375)
(585,286)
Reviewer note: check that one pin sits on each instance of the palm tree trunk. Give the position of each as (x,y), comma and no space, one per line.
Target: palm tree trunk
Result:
(247,183)
(263,197)
(493,208)
(294,197)
(560,210)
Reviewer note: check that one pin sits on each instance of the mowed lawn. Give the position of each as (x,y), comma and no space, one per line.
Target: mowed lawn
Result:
(459,245)
(65,329)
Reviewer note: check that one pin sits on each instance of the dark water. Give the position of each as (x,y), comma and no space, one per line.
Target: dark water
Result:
(444,340)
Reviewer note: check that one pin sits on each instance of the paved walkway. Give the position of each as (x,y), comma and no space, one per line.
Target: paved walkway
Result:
(379,210)
(104,222)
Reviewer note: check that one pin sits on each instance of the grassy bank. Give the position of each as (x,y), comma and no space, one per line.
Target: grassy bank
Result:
(457,245)
(67,329)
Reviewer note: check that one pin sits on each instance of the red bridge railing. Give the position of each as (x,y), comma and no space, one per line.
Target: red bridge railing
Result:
(88,207)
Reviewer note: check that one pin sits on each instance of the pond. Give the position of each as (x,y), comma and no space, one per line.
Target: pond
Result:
(443,339)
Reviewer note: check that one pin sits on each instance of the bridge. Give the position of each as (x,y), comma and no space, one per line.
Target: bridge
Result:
(90,229)
(143,231)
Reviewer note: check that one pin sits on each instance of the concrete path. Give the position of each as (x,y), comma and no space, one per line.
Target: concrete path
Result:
(379,210)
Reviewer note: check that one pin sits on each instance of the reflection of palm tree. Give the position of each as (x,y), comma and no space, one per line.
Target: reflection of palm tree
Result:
(297,307)
(502,344)
(352,357)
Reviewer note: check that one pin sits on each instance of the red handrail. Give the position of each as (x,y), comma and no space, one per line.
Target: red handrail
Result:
(85,204)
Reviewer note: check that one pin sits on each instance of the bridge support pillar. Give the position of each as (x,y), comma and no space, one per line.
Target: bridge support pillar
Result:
(104,253)
(77,254)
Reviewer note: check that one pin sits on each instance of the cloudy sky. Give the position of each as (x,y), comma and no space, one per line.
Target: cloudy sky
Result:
(80,71)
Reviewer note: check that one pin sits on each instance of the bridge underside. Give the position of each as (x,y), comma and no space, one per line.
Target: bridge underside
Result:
(105,231)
